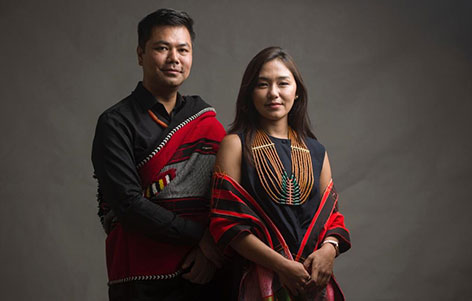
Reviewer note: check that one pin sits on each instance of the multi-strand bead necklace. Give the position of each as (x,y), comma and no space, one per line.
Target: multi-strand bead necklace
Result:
(282,188)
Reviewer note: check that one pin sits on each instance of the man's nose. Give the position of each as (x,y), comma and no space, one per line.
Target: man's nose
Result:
(172,56)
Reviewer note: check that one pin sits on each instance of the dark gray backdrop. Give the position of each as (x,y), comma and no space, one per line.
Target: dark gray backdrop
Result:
(390,97)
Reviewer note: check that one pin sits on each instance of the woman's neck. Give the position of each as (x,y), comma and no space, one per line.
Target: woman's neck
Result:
(276,129)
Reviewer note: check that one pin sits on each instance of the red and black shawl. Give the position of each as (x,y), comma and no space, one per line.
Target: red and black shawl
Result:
(169,177)
(235,211)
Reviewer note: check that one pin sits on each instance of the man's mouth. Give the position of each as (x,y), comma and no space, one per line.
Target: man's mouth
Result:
(171,71)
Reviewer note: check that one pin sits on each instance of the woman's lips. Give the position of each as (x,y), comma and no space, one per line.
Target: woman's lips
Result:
(273,105)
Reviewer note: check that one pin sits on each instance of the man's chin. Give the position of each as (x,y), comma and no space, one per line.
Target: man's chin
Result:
(172,82)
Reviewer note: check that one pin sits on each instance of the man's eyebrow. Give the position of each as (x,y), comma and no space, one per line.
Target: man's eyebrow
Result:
(162,42)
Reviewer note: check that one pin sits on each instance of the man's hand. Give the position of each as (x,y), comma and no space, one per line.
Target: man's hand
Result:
(320,265)
(210,250)
(202,269)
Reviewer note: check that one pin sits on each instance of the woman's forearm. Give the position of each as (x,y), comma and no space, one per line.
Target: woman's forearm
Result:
(292,274)
(252,248)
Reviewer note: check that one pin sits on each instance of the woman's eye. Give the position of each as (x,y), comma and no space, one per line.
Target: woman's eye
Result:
(261,85)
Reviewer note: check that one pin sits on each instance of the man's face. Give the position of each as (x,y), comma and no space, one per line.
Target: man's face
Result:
(167,57)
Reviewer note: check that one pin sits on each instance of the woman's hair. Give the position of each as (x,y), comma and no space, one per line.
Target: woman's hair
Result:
(247,118)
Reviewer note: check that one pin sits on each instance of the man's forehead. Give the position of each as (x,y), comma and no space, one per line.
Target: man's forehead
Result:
(167,32)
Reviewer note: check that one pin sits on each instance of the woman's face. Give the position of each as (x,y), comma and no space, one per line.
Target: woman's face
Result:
(275,92)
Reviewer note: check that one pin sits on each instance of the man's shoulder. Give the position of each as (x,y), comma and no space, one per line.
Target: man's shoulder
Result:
(194,104)
(195,101)
(120,111)
(120,107)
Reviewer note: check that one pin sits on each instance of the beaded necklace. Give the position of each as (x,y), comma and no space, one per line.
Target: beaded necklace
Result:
(157,120)
(282,188)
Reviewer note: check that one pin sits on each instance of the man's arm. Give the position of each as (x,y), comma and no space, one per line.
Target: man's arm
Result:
(115,168)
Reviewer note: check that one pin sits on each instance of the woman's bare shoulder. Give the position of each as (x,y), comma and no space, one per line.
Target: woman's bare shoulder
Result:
(228,159)
(231,141)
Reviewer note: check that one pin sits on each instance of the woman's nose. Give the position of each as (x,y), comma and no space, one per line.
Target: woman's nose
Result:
(273,92)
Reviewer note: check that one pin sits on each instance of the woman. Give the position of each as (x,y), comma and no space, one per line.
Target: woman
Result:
(267,202)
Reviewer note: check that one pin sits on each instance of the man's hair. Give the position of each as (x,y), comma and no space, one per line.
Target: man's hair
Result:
(163,17)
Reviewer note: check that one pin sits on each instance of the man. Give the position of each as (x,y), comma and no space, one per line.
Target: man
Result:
(153,155)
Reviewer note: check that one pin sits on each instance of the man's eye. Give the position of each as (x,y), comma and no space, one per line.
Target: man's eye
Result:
(160,48)
(183,50)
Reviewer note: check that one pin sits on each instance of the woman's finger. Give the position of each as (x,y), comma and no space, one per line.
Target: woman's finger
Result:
(308,262)
(314,275)
(323,280)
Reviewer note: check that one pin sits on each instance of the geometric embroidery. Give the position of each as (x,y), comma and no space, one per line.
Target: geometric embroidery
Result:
(163,179)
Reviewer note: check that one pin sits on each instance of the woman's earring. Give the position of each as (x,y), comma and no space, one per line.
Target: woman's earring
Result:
(296,97)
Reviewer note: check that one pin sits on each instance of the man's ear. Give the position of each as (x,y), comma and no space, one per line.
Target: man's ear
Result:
(140,53)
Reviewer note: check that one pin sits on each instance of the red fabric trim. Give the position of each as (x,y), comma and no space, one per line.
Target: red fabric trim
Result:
(132,254)
(336,221)
(203,126)
(315,218)
(260,211)
(245,216)
(219,225)
(198,146)
(228,195)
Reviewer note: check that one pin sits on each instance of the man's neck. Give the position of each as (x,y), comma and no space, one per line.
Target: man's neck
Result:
(167,97)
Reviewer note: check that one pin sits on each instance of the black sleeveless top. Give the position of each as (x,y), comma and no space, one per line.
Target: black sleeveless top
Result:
(291,220)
